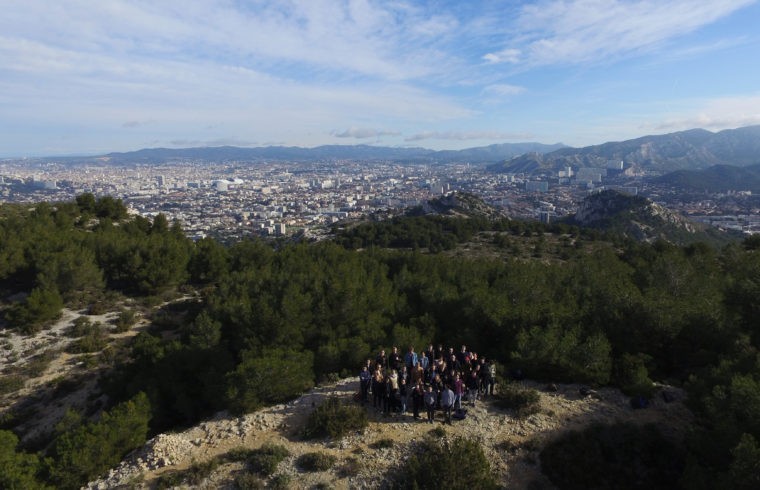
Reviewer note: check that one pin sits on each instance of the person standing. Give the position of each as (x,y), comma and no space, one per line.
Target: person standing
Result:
(473,384)
(410,359)
(394,360)
(365,380)
(447,403)
(423,361)
(418,393)
(403,394)
(489,376)
(430,400)
(378,388)
(458,389)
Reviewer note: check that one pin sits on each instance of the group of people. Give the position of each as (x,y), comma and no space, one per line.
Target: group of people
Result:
(433,379)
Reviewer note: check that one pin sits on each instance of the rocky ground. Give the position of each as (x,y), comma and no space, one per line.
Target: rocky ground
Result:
(511,444)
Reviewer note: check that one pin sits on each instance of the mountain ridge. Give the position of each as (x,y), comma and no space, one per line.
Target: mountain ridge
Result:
(484,154)
(690,149)
(718,178)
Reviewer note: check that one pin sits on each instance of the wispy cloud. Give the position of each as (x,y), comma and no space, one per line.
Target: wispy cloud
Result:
(503,89)
(716,114)
(134,124)
(582,31)
(363,133)
(213,142)
(507,55)
(467,135)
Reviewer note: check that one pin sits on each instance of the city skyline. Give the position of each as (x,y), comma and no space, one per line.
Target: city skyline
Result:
(89,78)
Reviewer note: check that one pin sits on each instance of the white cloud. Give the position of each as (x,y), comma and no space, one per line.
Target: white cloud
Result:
(507,55)
(362,133)
(581,31)
(503,89)
(716,114)
(467,135)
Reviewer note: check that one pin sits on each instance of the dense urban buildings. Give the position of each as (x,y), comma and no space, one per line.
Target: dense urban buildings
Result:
(232,199)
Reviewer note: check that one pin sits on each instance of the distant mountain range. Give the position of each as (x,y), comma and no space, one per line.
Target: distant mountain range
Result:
(484,154)
(690,150)
(718,178)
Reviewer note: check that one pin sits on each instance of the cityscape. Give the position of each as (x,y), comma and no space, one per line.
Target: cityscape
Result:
(234,199)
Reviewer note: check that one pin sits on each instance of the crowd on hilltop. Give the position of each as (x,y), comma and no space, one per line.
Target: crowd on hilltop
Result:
(434,379)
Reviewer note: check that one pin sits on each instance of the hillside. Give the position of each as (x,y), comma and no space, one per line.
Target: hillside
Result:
(458,204)
(692,149)
(640,219)
(106,343)
(511,443)
(718,178)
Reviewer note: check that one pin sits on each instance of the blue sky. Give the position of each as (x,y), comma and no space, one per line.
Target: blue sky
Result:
(86,77)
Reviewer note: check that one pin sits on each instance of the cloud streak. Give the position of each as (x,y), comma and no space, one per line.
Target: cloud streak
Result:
(467,135)
(716,114)
(363,133)
(592,31)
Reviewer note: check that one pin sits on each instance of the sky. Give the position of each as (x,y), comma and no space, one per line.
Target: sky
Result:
(95,76)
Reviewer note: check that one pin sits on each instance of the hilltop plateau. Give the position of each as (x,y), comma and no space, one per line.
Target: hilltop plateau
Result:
(372,457)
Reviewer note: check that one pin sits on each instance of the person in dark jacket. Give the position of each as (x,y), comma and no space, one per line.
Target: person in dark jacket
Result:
(447,403)
(473,384)
(378,388)
(418,393)
(381,360)
(394,360)
(430,400)
(365,380)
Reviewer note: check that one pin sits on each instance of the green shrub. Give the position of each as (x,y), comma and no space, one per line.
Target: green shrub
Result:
(383,443)
(39,363)
(82,451)
(280,482)
(200,471)
(11,383)
(263,461)
(18,470)
(316,461)
(334,419)
(252,384)
(80,327)
(524,401)
(125,320)
(619,456)
(350,467)
(170,480)
(458,463)
(632,375)
(437,432)
(248,481)
(98,307)
(95,340)
(43,305)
